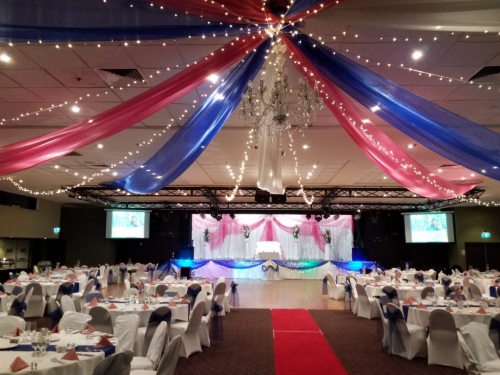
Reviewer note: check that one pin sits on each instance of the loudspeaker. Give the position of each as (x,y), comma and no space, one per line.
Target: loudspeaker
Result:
(186,272)
(262,196)
(278,198)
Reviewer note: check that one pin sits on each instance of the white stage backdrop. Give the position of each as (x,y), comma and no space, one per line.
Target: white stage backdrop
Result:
(227,240)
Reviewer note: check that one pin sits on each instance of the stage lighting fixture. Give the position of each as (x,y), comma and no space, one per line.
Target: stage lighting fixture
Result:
(202,215)
(318,218)
(231,215)
(326,212)
(308,216)
(336,217)
(219,217)
(357,216)
(214,212)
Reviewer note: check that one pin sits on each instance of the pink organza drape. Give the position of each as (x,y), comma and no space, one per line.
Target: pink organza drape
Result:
(32,152)
(373,142)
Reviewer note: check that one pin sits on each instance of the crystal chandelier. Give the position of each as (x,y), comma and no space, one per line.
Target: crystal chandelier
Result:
(274,113)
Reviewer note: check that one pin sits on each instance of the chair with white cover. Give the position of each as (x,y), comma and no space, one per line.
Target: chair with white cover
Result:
(125,331)
(168,361)
(427,290)
(139,273)
(442,342)
(351,280)
(385,325)
(367,307)
(127,284)
(153,356)
(74,320)
(36,303)
(18,306)
(168,278)
(80,298)
(131,292)
(334,291)
(220,289)
(101,319)
(72,276)
(8,324)
(392,294)
(145,334)
(161,289)
(478,352)
(189,331)
(67,304)
(413,337)
(495,330)
(475,293)
(103,279)
(115,364)
(204,330)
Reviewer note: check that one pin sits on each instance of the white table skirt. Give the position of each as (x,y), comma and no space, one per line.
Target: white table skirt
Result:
(420,317)
(373,291)
(178,313)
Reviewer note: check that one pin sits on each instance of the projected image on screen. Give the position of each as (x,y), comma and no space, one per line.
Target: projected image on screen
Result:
(429,228)
(127,224)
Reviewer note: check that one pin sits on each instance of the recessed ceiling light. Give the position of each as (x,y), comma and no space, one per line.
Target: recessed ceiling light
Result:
(440,170)
(56,166)
(411,145)
(375,108)
(115,174)
(75,109)
(5,58)
(417,55)
(100,145)
(213,78)
(305,147)
(385,177)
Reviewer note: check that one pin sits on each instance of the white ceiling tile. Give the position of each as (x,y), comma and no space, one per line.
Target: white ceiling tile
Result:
(7,82)
(470,54)
(77,78)
(106,57)
(18,95)
(155,57)
(55,95)
(50,57)
(32,78)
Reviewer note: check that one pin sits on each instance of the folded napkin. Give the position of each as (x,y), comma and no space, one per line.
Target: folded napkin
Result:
(414,287)
(409,301)
(18,283)
(104,343)
(90,328)
(94,302)
(376,284)
(56,282)
(17,332)
(106,336)
(172,304)
(145,307)
(112,306)
(368,283)
(481,311)
(449,309)
(2,293)
(177,296)
(8,282)
(18,365)
(55,329)
(71,355)
(421,306)
(157,295)
(185,301)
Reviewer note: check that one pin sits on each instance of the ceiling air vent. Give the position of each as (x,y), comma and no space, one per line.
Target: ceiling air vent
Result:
(73,153)
(449,166)
(111,76)
(485,72)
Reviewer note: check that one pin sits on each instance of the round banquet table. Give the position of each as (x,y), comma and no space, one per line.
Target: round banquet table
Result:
(420,317)
(179,288)
(374,291)
(3,303)
(181,312)
(48,289)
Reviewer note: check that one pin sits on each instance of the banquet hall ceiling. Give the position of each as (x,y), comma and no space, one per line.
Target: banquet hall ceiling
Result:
(457,39)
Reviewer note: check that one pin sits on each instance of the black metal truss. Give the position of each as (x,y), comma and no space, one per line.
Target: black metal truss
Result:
(337,199)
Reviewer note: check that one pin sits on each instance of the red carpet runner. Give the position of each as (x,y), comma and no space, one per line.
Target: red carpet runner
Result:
(299,345)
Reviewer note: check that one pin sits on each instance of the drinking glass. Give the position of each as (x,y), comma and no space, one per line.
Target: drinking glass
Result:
(34,344)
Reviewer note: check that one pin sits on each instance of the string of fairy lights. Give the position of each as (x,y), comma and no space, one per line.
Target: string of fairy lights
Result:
(282,24)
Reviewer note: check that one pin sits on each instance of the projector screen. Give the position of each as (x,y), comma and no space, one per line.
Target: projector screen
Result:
(127,224)
(429,227)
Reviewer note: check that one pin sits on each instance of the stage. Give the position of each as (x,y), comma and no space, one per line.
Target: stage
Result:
(263,269)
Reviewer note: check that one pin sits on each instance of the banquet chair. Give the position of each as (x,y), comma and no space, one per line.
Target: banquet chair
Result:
(192,292)
(101,319)
(495,331)
(8,324)
(367,306)
(131,292)
(65,289)
(392,294)
(16,290)
(189,331)
(94,294)
(81,297)
(74,320)
(134,285)
(413,337)
(227,294)
(37,303)
(153,356)
(378,278)
(442,342)
(125,331)
(103,278)
(426,290)
(353,282)
(168,278)
(474,292)
(127,283)
(67,304)
(101,270)
(334,291)
(220,288)
(478,352)
(18,306)
(467,281)
(71,276)
(204,330)
(416,294)
(115,364)
(385,326)
(168,361)
(139,273)
(161,289)
(145,334)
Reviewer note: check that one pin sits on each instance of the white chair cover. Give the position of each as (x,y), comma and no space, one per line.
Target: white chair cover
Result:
(334,291)
(220,289)
(116,364)
(8,324)
(36,303)
(74,320)
(367,307)
(101,319)
(189,331)
(478,352)
(67,304)
(103,279)
(126,326)
(385,326)
(127,284)
(81,298)
(442,342)
(152,359)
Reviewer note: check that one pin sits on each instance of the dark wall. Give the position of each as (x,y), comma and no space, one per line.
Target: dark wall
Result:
(383,237)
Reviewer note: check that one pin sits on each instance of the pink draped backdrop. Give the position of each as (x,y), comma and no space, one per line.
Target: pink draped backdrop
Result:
(219,230)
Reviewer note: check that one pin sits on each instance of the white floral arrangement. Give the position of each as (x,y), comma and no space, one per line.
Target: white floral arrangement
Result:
(206,235)
(296,231)
(246,230)
(327,236)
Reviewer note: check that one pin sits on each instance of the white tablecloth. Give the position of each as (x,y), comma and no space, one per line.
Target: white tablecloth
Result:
(179,288)
(48,289)
(420,317)
(178,313)
(373,291)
